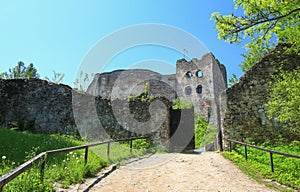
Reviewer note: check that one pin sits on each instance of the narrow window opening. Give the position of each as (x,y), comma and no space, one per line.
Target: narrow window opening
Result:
(189,74)
(199,89)
(188,90)
(199,73)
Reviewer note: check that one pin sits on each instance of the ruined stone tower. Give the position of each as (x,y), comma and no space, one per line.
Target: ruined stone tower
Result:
(199,81)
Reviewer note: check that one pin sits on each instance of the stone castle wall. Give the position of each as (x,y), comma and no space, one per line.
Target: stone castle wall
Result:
(37,105)
(122,84)
(50,108)
(105,110)
(199,81)
(42,107)
(244,114)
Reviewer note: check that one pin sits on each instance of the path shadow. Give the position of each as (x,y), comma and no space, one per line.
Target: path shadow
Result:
(113,169)
(100,178)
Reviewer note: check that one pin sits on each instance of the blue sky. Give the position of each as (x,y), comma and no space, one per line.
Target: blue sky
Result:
(58,34)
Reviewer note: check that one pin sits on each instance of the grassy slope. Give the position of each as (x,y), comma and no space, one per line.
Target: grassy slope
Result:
(287,170)
(66,168)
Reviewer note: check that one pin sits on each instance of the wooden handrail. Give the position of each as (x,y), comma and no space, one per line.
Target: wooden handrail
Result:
(56,151)
(17,171)
(262,149)
(42,156)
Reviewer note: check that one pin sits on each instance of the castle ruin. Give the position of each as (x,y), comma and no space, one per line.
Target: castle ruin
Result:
(199,81)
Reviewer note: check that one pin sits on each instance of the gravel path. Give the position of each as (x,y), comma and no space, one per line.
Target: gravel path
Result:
(175,172)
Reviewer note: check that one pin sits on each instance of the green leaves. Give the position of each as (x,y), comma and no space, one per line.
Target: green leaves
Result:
(264,22)
(181,104)
(232,80)
(201,126)
(284,102)
(21,72)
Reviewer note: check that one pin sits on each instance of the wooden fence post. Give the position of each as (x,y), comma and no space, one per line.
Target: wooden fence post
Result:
(245,150)
(108,149)
(86,153)
(130,146)
(1,187)
(271,162)
(230,146)
(42,168)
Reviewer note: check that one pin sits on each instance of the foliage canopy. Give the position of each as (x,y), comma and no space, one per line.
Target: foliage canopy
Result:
(284,102)
(263,23)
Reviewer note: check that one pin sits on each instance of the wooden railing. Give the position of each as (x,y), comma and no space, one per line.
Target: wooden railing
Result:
(262,149)
(42,158)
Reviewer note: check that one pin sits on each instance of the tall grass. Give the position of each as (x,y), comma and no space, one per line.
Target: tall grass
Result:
(65,168)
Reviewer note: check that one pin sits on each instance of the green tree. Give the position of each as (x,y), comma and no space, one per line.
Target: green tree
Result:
(263,23)
(284,102)
(232,80)
(21,72)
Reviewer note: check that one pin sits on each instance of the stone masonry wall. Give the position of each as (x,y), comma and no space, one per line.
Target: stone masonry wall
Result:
(199,81)
(244,114)
(36,105)
(42,107)
(121,84)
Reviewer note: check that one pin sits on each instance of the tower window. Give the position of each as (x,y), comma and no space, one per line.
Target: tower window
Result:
(199,73)
(189,74)
(199,89)
(188,90)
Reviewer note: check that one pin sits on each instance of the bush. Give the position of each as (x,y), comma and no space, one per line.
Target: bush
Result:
(204,133)
(141,144)
(200,129)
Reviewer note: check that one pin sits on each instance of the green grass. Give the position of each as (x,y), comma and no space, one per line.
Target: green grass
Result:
(65,168)
(286,169)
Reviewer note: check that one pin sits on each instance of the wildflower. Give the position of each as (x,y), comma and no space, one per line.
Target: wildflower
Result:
(64,161)
(3,157)
(76,158)
(71,152)
(65,167)
(54,165)
(13,163)
(68,159)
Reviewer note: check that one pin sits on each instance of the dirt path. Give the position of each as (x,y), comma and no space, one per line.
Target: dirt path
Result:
(176,172)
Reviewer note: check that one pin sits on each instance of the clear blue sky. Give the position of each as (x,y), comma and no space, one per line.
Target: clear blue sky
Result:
(57,34)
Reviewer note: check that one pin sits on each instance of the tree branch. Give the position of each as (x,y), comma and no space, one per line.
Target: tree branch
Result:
(266,20)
